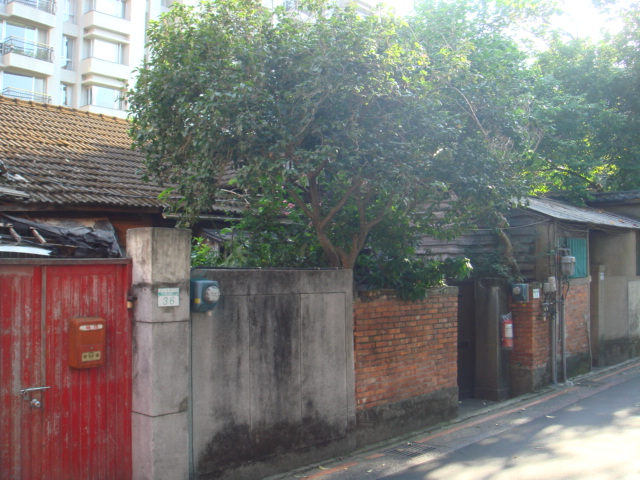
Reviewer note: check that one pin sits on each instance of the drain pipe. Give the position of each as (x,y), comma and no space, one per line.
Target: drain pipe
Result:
(555,315)
(190,405)
(567,265)
(554,345)
(563,337)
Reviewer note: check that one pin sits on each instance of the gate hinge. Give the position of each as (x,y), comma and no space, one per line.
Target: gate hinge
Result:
(130,301)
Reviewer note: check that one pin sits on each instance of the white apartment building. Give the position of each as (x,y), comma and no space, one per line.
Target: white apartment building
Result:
(80,53)
(76,53)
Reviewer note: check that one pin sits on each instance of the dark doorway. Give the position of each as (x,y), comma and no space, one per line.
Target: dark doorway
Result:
(466,340)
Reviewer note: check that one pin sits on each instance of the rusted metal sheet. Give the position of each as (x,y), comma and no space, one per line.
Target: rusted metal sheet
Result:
(82,428)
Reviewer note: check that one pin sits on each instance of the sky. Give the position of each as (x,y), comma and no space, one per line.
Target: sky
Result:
(582,18)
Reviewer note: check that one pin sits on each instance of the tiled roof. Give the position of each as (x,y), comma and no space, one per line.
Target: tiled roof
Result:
(59,156)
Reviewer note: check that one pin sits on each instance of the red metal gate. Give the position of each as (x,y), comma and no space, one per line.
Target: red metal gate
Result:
(58,422)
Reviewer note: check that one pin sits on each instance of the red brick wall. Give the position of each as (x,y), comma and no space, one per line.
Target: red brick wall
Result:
(577,317)
(404,349)
(531,335)
(530,363)
(530,359)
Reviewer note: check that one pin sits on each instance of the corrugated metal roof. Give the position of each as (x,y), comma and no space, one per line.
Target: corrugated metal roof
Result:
(61,156)
(615,197)
(564,211)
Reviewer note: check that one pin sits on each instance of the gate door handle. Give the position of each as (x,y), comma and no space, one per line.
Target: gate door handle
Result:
(25,392)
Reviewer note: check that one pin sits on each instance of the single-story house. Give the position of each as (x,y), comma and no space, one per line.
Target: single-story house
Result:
(70,184)
(69,170)
(564,323)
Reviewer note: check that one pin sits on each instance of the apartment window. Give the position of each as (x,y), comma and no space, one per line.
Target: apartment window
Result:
(23,32)
(27,41)
(104,50)
(67,52)
(24,87)
(116,8)
(48,6)
(23,82)
(104,97)
(66,95)
(69,11)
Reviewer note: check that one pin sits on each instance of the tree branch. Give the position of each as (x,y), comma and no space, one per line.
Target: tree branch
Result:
(569,171)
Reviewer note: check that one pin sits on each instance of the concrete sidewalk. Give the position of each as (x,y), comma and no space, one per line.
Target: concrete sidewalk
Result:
(477,419)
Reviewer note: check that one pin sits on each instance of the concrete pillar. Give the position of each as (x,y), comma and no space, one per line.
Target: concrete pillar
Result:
(160,435)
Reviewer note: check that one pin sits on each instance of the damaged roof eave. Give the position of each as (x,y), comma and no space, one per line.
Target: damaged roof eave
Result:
(13,193)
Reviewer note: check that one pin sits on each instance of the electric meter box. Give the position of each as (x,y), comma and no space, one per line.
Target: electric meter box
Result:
(204,295)
(87,341)
(520,292)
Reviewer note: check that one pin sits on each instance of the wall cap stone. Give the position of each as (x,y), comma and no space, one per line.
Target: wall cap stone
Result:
(383,293)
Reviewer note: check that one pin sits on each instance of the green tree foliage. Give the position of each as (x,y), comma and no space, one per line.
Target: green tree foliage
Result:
(628,88)
(353,122)
(587,114)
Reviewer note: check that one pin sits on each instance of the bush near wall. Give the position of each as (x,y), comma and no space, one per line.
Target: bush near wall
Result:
(405,361)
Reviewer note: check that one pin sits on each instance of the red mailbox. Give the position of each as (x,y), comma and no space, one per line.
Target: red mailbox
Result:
(87,337)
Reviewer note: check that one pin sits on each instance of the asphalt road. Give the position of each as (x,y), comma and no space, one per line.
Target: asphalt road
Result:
(597,438)
(587,430)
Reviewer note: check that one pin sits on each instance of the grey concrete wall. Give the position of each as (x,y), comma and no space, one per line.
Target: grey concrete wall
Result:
(160,389)
(617,252)
(272,368)
(615,323)
(630,209)
(615,298)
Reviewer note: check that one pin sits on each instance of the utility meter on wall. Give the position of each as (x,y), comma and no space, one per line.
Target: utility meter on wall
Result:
(567,262)
(520,292)
(567,265)
(204,295)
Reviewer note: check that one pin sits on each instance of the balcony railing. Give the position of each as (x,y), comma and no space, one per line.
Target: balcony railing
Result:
(17,45)
(48,6)
(26,95)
